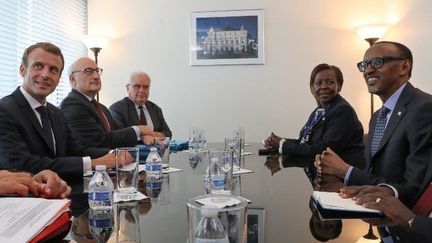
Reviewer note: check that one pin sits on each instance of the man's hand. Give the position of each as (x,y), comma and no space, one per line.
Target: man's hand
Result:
(328,162)
(145,130)
(50,185)
(356,192)
(381,199)
(17,182)
(109,160)
(272,141)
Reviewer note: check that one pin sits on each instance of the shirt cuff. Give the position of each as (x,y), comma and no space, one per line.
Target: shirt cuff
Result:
(347,175)
(87,167)
(396,194)
(137,132)
(280,145)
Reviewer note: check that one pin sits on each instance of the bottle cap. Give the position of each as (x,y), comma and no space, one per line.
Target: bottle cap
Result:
(209,211)
(100,167)
(214,160)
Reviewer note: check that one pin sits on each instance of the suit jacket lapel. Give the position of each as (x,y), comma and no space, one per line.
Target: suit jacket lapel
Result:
(31,116)
(57,131)
(91,107)
(132,112)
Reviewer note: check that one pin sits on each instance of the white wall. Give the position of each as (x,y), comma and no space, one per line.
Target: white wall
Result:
(154,36)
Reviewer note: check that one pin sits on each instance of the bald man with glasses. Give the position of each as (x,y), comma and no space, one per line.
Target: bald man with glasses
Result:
(90,120)
(399,142)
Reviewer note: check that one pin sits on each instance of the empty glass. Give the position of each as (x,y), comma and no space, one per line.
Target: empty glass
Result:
(127,160)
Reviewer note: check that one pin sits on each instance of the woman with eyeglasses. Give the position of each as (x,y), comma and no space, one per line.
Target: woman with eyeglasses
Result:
(333,123)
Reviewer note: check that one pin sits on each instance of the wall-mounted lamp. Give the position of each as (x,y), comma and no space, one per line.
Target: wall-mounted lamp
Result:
(95,43)
(371,33)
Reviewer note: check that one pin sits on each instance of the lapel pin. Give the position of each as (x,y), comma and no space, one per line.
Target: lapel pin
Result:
(399,113)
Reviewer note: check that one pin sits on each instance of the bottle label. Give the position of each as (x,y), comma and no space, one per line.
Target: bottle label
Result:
(154,167)
(218,182)
(99,196)
(100,223)
(154,184)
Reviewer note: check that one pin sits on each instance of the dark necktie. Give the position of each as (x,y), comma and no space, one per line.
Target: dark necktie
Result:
(46,126)
(379,129)
(423,207)
(101,115)
(143,120)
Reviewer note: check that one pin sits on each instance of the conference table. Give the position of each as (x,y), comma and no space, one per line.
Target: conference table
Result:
(279,198)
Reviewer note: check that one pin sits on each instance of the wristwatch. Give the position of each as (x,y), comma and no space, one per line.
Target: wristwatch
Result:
(410,222)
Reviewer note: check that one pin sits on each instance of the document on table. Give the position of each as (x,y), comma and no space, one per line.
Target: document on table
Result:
(332,200)
(21,219)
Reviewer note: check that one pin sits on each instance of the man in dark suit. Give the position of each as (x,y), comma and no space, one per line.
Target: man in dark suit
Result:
(89,119)
(34,134)
(412,225)
(400,157)
(136,109)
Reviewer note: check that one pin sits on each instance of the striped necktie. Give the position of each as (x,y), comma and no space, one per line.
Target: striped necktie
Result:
(379,129)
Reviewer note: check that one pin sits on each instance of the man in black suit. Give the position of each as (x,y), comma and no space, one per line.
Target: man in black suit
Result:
(410,227)
(400,157)
(136,109)
(34,134)
(89,119)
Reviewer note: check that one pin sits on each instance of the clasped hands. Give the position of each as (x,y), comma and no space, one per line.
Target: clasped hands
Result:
(328,162)
(149,137)
(45,184)
(272,141)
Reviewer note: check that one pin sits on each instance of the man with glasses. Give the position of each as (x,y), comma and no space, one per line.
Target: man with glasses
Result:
(399,143)
(136,109)
(91,120)
(34,134)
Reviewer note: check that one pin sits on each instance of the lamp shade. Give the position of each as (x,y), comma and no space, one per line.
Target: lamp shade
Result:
(98,41)
(371,31)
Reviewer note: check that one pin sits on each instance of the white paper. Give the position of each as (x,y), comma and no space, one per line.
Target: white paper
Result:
(242,171)
(332,200)
(23,218)
(138,196)
(229,202)
(165,169)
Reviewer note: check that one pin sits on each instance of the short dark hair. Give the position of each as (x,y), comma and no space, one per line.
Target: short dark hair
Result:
(49,47)
(325,66)
(404,51)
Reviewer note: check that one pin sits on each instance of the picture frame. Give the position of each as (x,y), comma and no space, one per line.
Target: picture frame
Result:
(256,225)
(233,37)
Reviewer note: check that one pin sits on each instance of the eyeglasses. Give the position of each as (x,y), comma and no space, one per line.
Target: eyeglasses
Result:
(138,87)
(90,71)
(376,62)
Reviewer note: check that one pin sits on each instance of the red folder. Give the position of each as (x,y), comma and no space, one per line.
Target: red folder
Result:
(56,230)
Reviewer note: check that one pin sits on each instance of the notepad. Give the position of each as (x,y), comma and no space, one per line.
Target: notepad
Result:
(331,205)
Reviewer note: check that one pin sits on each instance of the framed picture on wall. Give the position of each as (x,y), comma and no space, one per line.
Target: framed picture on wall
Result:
(227,37)
(256,221)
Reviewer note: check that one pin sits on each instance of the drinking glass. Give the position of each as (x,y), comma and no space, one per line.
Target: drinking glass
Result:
(127,160)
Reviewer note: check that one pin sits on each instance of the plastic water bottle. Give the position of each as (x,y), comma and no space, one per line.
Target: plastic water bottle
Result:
(153,186)
(153,164)
(210,228)
(101,224)
(100,190)
(217,176)
(207,184)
